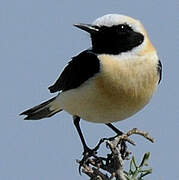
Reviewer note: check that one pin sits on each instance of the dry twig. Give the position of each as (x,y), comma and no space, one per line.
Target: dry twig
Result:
(107,168)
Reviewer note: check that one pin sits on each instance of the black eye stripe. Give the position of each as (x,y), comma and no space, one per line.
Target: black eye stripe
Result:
(115,39)
(115,28)
(124,27)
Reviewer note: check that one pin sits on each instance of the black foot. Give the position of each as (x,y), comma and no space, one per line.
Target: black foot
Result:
(89,153)
(123,151)
(122,144)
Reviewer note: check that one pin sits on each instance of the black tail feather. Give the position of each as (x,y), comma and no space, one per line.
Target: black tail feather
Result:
(40,111)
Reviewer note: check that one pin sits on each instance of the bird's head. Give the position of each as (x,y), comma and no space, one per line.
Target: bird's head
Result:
(115,34)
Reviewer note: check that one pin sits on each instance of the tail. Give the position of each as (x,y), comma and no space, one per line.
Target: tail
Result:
(46,109)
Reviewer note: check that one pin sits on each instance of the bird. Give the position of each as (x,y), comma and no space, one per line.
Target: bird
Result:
(108,82)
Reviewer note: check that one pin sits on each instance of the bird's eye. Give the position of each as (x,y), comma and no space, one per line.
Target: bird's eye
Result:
(124,27)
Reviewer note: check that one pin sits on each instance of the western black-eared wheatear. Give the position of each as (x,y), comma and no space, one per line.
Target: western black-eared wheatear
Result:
(108,82)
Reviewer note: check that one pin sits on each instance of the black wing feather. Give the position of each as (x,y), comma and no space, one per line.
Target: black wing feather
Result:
(159,69)
(79,69)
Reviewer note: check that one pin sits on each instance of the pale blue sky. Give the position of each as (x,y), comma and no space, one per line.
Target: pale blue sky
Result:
(36,40)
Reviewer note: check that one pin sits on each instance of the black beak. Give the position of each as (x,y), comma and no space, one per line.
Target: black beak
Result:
(88,28)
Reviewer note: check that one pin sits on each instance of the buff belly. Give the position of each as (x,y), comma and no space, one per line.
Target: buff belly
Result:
(92,104)
(121,89)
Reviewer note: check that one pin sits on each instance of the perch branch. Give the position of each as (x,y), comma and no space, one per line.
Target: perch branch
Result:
(112,166)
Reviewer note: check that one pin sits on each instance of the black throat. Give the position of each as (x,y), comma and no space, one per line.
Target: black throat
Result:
(115,39)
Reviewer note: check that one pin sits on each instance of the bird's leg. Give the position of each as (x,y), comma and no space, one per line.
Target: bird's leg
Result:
(87,152)
(114,129)
(119,133)
(76,121)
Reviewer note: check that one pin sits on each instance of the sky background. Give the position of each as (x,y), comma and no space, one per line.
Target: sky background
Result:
(36,40)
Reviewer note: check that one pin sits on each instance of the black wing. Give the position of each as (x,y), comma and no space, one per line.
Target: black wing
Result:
(159,69)
(78,70)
